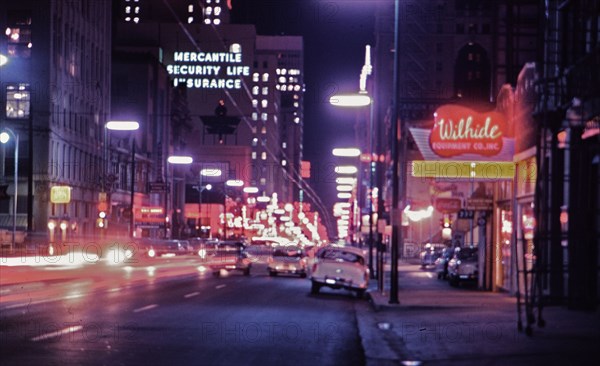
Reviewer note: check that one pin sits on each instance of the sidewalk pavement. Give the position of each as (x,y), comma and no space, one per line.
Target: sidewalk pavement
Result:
(436,324)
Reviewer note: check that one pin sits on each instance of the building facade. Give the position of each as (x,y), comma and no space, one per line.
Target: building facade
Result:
(56,93)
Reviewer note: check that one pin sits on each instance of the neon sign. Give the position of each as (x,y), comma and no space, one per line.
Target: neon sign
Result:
(208,70)
(459,130)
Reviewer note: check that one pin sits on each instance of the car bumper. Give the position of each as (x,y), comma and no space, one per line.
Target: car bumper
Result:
(338,283)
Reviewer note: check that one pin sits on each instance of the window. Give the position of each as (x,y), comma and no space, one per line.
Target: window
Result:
(265,77)
(255,77)
(18,34)
(263,155)
(17,101)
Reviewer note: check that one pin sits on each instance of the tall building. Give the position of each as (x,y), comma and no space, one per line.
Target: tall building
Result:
(257,136)
(55,94)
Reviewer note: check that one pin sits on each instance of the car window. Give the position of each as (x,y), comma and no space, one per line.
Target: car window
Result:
(466,253)
(288,252)
(341,255)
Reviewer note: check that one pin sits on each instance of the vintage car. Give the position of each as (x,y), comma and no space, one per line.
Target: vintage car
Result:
(288,259)
(340,267)
(226,256)
(464,266)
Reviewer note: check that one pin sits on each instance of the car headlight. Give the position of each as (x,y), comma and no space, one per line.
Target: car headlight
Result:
(151,253)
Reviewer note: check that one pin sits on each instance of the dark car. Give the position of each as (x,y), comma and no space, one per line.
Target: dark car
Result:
(227,256)
(464,266)
(166,248)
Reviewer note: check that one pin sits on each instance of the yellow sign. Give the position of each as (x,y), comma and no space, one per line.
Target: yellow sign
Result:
(480,170)
(60,194)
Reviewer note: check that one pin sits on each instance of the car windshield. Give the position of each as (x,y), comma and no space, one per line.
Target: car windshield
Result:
(467,253)
(341,256)
(294,252)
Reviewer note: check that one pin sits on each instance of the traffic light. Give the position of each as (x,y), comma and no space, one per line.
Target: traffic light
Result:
(101,221)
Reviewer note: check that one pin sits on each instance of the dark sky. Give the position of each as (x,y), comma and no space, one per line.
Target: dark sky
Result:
(335,34)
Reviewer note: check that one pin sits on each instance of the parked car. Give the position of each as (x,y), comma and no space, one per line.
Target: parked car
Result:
(340,267)
(229,256)
(287,259)
(464,266)
(441,262)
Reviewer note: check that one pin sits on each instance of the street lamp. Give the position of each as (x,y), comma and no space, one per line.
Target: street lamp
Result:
(5,136)
(128,126)
(177,160)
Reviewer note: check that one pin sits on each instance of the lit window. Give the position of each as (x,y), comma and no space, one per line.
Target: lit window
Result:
(17,101)
(265,77)
(137,10)
(128,10)
(136,20)
(265,90)
(254,141)
(254,116)
(217,11)
(264,103)
(255,77)
(283,71)
(255,90)
(284,162)
(297,119)
(18,33)
(263,116)
(283,88)
(190,20)
(217,21)
(254,155)
(263,181)
(190,8)
(208,11)
(282,79)
(297,88)
(284,145)
(296,104)
(235,47)
(254,103)
(263,155)
(263,130)
(207,21)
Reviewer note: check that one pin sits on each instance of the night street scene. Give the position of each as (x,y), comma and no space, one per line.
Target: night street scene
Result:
(299,182)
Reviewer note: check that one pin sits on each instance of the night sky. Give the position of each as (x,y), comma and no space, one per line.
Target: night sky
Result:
(335,34)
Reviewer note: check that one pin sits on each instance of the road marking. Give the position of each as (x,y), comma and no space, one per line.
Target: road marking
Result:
(192,294)
(220,287)
(145,308)
(58,333)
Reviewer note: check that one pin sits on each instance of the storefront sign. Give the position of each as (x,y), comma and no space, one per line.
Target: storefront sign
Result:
(480,204)
(459,130)
(448,205)
(60,194)
(480,170)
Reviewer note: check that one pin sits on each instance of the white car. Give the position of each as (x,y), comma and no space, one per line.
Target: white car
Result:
(340,267)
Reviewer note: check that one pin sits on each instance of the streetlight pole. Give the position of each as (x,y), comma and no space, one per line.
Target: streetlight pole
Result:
(128,126)
(4,138)
(396,214)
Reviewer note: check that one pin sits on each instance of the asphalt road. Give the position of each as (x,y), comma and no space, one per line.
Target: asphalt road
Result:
(187,318)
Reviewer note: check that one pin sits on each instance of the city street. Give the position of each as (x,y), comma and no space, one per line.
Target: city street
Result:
(175,314)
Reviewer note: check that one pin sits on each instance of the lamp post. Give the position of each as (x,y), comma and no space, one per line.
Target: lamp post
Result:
(128,126)
(362,99)
(177,160)
(5,136)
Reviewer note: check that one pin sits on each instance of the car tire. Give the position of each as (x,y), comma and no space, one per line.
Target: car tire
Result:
(360,293)
(315,287)
(247,272)
(302,275)
(217,273)
(272,273)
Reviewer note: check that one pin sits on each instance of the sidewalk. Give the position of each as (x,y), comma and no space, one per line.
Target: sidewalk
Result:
(436,324)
